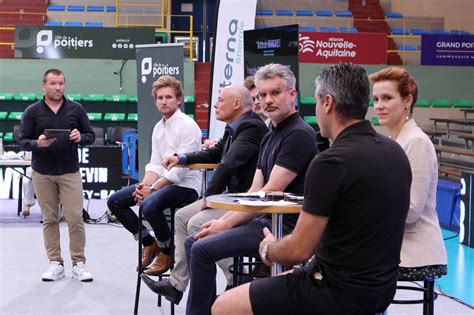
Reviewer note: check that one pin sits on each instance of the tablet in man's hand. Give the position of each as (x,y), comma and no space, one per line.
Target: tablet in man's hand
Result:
(57,133)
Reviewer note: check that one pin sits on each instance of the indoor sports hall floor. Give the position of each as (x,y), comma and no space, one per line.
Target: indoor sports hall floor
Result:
(111,253)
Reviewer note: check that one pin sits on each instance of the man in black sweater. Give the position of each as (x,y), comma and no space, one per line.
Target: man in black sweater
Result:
(237,154)
(56,174)
(354,232)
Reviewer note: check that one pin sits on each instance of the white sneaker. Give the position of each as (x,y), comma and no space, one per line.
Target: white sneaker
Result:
(54,272)
(80,272)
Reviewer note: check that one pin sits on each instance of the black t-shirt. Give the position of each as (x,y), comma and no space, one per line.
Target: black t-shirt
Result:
(362,184)
(292,145)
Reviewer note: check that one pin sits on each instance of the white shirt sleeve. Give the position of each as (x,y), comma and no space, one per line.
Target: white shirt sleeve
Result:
(155,160)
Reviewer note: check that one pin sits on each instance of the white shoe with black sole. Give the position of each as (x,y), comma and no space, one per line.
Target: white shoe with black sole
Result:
(54,272)
(80,272)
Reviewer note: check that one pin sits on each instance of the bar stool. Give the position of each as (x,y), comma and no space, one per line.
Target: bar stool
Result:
(170,220)
(429,295)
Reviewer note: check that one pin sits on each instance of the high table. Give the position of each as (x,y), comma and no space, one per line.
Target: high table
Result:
(275,209)
(17,163)
(201,166)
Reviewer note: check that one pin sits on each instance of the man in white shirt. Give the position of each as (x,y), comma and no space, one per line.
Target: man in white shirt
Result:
(161,189)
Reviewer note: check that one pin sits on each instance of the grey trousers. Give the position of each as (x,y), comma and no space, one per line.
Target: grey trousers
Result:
(188,220)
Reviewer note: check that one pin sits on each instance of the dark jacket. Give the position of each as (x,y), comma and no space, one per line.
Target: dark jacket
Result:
(237,157)
(61,157)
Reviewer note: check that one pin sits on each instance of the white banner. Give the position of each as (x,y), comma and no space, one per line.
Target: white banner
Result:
(234,17)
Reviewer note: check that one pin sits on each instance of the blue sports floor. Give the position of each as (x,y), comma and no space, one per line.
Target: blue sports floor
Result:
(459,282)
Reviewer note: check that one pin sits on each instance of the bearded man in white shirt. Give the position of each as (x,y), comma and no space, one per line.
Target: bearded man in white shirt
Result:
(161,189)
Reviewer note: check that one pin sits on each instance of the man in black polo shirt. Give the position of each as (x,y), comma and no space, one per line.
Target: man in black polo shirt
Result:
(285,154)
(56,174)
(357,196)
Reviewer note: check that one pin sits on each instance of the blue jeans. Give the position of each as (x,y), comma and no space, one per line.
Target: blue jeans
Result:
(152,207)
(203,254)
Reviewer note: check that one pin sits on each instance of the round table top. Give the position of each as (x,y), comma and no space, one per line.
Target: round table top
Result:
(231,204)
(203,166)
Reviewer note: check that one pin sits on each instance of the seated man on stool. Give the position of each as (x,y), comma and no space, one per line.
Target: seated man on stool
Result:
(161,189)
(354,230)
(237,154)
(284,156)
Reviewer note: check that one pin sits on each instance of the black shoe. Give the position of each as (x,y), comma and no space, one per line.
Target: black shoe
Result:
(163,288)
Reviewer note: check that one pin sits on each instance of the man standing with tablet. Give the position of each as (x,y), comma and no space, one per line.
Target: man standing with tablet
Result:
(52,129)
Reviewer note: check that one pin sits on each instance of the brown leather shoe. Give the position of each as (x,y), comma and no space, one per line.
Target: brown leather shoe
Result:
(160,265)
(149,253)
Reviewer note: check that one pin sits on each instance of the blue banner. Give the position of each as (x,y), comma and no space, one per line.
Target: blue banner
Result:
(447,50)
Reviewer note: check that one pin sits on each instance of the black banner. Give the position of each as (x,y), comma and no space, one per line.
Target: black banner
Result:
(271,45)
(153,61)
(80,42)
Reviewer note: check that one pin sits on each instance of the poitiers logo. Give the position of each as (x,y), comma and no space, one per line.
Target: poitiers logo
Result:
(146,68)
(306,45)
(156,69)
(43,38)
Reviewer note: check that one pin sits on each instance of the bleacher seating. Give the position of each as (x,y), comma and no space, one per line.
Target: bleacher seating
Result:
(328,29)
(348,30)
(304,13)
(399,31)
(56,8)
(75,8)
(284,12)
(264,12)
(440,32)
(94,24)
(343,13)
(53,23)
(323,13)
(308,29)
(94,116)
(393,15)
(95,8)
(114,117)
(73,24)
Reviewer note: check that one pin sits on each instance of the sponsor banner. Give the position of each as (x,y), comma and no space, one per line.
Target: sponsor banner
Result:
(272,45)
(153,61)
(358,48)
(447,50)
(100,169)
(80,42)
(234,17)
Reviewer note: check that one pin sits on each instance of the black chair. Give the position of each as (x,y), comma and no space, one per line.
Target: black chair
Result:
(429,295)
(115,134)
(99,136)
(246,269)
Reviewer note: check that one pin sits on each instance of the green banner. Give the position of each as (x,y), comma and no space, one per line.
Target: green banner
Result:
(153,61)
(80,42)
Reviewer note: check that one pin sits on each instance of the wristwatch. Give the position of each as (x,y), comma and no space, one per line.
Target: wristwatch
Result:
(263,253)
(152,189)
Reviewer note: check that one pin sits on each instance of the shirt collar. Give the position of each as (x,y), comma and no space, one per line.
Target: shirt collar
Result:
(173,119)
(286,122)
(360,127)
